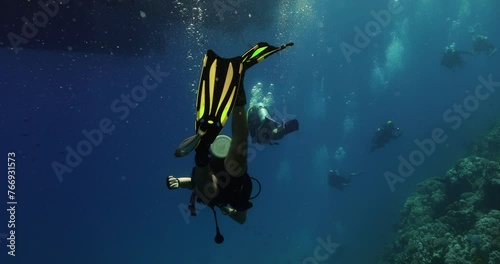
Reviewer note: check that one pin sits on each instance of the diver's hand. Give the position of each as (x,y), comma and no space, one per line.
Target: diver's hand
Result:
(172,183)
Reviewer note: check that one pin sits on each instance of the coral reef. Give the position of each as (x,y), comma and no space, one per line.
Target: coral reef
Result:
(454,219)
(488,146)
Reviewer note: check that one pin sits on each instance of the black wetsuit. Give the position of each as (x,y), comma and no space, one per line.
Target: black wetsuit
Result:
(453,58)
(481,43)
(233,191)
(337,181)
(384,135)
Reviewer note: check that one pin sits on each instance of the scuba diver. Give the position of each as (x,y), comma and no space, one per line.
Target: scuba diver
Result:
(263,129)
(219,177)
(338,181)
(384,134)
(452,58)
(480,41)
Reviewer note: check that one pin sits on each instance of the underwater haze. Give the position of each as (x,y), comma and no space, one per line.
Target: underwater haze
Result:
(99,94)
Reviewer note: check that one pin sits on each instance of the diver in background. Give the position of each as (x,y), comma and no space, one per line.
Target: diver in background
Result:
(452,58)
(338,181)
(480,41)
(263,129)
(385,134)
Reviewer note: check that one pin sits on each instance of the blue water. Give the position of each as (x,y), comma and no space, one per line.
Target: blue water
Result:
(114,207)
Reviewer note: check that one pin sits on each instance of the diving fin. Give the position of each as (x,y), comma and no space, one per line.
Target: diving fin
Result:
(286,128)
(187,145)
(220,83)
(290,126)
(259,52)
(217,93)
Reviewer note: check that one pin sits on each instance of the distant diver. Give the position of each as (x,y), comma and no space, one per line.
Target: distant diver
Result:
(264,129)
(338,181)
(220,178)
(480,41)
(384,134)
(452,58)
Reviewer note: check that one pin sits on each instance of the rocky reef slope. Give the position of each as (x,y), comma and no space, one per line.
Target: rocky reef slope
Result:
(454,219)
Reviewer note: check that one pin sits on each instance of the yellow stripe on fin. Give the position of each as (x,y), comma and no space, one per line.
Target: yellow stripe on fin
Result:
(225,116)
(258,51)
(211,87)
(201,112)
(227,86)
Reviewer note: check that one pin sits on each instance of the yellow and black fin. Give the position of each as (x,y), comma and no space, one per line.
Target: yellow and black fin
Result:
(259,52)
(217,92)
